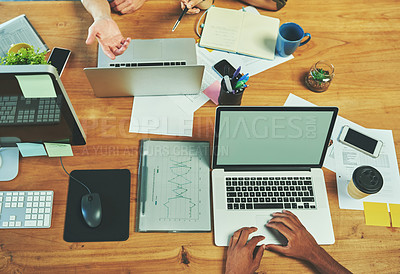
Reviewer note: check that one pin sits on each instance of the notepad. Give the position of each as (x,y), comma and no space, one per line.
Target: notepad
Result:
(240,32)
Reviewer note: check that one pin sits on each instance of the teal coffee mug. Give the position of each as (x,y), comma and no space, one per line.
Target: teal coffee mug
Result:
(290,37)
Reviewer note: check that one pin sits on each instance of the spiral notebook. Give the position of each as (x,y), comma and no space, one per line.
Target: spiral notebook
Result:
(240,32)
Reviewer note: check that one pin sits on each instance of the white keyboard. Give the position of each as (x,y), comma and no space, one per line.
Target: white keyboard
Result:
(26,209)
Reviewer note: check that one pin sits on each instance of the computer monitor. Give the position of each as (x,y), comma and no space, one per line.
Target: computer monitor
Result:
(34,108)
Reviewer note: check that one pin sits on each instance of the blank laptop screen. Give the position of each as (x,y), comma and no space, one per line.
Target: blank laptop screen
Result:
(273,137)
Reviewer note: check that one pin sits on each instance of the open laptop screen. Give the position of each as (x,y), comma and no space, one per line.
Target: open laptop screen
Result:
(272,136)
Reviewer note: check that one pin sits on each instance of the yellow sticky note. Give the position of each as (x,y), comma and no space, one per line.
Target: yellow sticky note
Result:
(376,214)
(36,86)
(395,214)
(58,150)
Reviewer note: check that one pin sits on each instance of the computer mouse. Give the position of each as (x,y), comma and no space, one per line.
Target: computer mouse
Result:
(91,209)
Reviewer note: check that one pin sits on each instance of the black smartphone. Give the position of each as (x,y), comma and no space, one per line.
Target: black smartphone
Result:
(223,68)
(58,58)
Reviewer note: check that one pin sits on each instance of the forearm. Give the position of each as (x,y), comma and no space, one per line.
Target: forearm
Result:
(99,9)
(324,263)
(205,4)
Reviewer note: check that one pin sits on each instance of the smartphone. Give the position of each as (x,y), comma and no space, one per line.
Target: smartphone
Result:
(223,68)
(58,58)
(360,141)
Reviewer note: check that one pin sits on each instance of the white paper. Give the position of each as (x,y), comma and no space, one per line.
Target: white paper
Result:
(329,161)
(344,160)
(190,103)
(348,159)
(18,30)
(160,115)
(248,64)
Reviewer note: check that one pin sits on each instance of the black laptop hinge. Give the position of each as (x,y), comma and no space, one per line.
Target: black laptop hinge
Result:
(266,168)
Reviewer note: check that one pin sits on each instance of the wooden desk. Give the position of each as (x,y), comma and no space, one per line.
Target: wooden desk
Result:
(360,39)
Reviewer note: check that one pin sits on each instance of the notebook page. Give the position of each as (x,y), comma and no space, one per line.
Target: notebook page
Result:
(258,36)
(222,29)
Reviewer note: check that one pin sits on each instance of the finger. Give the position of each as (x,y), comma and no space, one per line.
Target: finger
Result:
(128,10)
(286,220)
(244,236)
(107,51)
(193,11)
(254,241)
(236,235)
(120,50)
(293,217)
(117,2)
(91,37)
(281,228)
(277,248)
(121,6)
(260,253)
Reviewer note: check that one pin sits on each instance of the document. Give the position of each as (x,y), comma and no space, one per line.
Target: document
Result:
(248,64)
(343,160)
(348,159)
(240,32)
(174,186)
(160,115)
(19,30)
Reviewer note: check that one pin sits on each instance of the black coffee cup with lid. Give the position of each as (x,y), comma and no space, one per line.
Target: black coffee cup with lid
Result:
(365,181)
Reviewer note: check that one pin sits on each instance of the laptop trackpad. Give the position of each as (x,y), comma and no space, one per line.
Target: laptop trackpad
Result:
(147,50)
(272,236)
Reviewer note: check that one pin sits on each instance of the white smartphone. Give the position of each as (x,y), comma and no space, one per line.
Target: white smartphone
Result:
(58,58)
(360,141)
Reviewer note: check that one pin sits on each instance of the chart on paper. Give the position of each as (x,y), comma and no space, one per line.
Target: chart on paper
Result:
(177,186)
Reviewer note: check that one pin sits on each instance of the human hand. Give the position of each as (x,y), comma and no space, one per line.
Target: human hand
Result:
(126,6)
(194,6)
(301,244)
(107,33)
(240,257)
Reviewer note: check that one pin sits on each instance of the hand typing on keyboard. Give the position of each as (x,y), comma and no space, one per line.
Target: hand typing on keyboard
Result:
(301,245)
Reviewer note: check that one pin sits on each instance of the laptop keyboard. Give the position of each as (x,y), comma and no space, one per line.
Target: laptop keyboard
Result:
(149,64)
(18,110)
(269,193)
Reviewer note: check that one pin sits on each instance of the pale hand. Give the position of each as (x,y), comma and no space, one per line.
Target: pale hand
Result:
(109,36)
(191,5)
(126,6)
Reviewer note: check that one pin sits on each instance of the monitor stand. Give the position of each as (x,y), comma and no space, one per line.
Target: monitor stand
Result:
(10,163)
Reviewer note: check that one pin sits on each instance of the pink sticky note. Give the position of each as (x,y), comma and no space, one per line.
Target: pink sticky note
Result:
(212,91)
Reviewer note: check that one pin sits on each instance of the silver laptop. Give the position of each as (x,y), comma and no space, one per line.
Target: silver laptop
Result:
(267,159)
(148,67)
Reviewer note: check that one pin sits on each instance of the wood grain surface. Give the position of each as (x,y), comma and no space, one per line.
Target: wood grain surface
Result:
(361,39)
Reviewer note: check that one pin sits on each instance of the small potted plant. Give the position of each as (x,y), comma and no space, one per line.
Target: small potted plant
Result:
(23,54)
(320,76)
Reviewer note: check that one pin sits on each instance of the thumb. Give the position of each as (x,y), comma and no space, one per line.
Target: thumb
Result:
(91,36)
(277,248)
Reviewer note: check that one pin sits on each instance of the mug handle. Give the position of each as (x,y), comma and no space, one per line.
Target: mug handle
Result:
(306,41)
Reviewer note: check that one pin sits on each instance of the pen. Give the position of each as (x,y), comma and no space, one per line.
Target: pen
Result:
(143,184)
(244,77)
(180,18)
(236,73)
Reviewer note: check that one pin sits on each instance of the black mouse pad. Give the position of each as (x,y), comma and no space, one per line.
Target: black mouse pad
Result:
(113,186)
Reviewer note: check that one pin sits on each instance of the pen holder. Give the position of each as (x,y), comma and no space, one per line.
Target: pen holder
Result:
(228,98)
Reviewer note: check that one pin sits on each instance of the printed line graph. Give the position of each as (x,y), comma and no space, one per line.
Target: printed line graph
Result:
(181,189)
